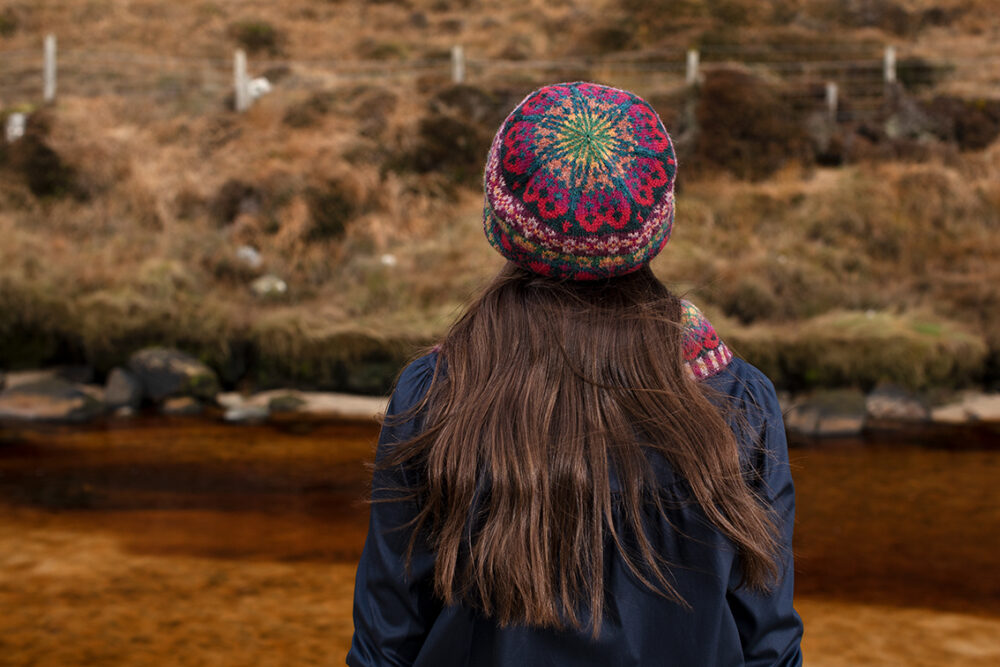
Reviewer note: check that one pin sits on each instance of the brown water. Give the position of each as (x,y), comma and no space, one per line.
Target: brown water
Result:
(172,541)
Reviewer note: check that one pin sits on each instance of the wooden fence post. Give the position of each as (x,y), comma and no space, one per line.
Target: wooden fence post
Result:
(831,100)
(457,64)
(889,65)
(49,69)
(240,81)
(691,75)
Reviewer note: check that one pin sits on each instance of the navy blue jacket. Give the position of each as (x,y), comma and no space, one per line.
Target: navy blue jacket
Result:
(398,621)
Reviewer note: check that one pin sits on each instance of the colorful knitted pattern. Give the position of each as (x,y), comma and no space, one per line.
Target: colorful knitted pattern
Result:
(704,353)
(580,183)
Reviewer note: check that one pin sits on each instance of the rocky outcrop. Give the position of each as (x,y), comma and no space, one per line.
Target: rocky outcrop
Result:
(828,414)
(970,409)
(49,399)
(165,373)
(891,403)
(284,403)
(122,389)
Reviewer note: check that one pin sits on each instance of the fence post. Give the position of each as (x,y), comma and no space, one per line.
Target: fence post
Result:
(692,67)
(49,68)
(831,100)
(240,81)
(457,64)
(889,65)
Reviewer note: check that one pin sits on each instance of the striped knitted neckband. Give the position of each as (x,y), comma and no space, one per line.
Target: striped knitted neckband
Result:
(704,352)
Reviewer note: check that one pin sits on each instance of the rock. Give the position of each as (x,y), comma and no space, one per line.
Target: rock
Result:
(972,408)
(342,406)
(828,414)
(164,373)
(122,389)
(72,374)
(95,391)
(49,399)
(249,256)
(269,286)
(286,403)
(17,378)
(243,414)
(950,414)
(181,406)
(229,399)
(321,405)
(894,403)
(984,407)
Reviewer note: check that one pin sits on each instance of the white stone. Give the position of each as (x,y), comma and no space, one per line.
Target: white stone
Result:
(249,256)
(258,87)
(269,285)
(16,124)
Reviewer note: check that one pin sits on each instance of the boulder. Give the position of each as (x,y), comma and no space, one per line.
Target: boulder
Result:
(165,373)
(893,403)
(291,402)
(828,414)
(181,406)
(49,399)
(953,413)
(72,374)
(122,389)
(229,399)
(972,408)
(246,414)
(342,406)
(984,408)
(95,391)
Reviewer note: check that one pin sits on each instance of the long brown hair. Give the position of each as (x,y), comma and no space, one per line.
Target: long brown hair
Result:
(543,390)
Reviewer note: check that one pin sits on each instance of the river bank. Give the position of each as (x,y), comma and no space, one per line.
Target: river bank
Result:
(171,383)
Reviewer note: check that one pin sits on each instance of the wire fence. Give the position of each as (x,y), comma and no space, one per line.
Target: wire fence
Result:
(809,74)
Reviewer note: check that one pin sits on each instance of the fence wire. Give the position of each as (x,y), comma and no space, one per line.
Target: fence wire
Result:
(804,72)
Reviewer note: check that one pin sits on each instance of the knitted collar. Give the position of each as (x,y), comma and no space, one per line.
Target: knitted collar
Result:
(704,352)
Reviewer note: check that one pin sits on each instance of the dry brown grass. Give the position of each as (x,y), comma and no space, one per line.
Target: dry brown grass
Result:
(142,255)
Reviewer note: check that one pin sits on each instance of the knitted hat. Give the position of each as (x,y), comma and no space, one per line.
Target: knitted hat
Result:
(580,183)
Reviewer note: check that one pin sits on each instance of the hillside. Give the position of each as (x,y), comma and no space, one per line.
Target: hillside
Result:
(829,251)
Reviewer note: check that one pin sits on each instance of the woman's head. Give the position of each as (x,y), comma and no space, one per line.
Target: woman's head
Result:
(579,183)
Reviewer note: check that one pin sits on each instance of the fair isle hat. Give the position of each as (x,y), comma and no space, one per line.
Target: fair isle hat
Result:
(580,183)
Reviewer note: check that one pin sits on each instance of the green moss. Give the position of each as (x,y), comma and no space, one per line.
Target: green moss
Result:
(863,349)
